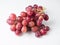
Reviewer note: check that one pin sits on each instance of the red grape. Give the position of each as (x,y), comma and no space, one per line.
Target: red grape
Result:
(39,22)
(34,29)
(43,32)
(18,32)
(13,27)
(31,23)
(12,16)
(23,14)
(29,8)
(18,26)
(42,26)
(10,22)
(41,18)
(24,29)
(19,18)
(37,34)
(35,6)
(37,15)
(30,13)
(28,19)
(42,14)
(47,28)
(46,17)
(24,23)
(41,7)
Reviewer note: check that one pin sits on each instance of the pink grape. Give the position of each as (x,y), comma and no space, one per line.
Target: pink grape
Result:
(41,18)
(34,29)
(39,22)
(30,13)
(41,7)
(19,18)
(24,22)
(35,6)
(13,27)
(12,16)
(43,32)
(24,29)
(37,34)
(18,26)
(10,22)
(47,28)
(23,14)
(18,32)
(31,23)
(29,8)
(28,19)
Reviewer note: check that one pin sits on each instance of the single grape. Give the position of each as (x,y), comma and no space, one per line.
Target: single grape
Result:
(12,16)
(31,23)
(41,18)
(24,29)
(23,14)
(10,22)
(19,18)
(13,27)
(18,32)
(41,7)
(47,28)
(28,19)
(42,26)
(43,31)
(39,22)
(46,17)
(35,6)
(34,29)
(24,22)
(18,26)
(29,8)
(38,34)
(30,13)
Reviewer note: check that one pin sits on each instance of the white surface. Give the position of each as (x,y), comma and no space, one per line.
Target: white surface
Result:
(9,38)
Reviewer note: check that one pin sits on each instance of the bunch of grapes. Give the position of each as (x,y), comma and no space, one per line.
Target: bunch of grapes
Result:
(29,20)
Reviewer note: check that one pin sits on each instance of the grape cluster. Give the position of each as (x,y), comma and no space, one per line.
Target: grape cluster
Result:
(29,20)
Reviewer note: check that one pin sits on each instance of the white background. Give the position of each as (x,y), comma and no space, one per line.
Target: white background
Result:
(16,6)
